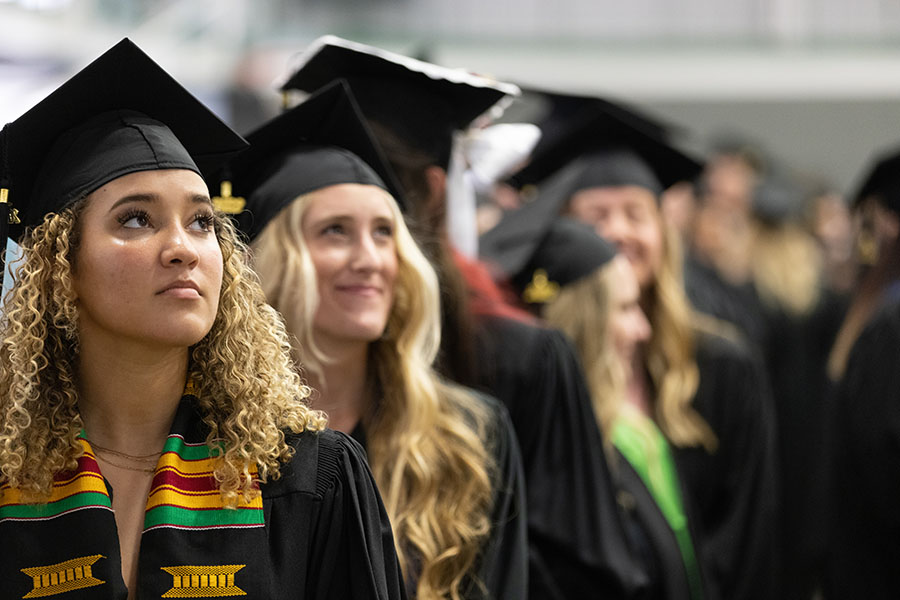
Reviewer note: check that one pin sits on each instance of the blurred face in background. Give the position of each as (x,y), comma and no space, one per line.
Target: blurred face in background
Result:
(628,326)
(627,216)
(877,229)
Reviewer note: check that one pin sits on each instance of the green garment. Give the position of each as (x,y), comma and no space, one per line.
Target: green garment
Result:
(645,447)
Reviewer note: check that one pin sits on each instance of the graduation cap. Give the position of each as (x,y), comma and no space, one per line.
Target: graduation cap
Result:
(322,142)
(420,102)
(541,251)
(120,114)
(776,201)
(604,128)
(882,181)
(553,111)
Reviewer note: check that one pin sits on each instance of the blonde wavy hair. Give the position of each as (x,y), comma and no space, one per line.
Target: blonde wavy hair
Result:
(581,311)
(425,436)
(670,352)
(247,386)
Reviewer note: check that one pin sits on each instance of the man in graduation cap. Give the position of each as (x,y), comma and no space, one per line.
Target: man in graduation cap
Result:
(154,438)
(577,543)
(709,391)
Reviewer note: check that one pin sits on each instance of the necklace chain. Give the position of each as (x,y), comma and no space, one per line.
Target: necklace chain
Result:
(127,467)
(153,457)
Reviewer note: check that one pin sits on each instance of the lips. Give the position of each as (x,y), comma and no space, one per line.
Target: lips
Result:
(181,288)
(360,290)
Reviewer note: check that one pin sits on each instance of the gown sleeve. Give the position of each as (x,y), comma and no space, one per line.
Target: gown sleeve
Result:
(866,527)
(504,559)
(351,543)
(576,535)
(735,489)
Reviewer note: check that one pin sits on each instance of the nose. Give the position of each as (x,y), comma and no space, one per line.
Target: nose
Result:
(178,248)
(641,327)
(365,254)
(614,228)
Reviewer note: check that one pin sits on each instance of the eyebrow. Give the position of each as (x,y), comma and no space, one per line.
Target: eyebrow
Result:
(153,198)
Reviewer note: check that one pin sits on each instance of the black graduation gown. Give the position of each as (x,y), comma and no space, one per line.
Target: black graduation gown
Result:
(320,531)
(501,572)
(735,490)
(712,295)
(796,353)
(576,536)
(865,548)
(656,540)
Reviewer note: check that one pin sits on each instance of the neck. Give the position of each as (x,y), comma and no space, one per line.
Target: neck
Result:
(128,395)
(343,393)
(637,392)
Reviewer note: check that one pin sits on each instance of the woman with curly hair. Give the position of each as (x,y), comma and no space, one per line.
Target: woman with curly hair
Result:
(155,439)
(336,258)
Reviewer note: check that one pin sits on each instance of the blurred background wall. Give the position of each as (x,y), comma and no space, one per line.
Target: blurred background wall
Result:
(815,82)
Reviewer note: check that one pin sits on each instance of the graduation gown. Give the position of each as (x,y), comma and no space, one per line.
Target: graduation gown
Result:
(320,531)
(501,570)
(796,353)
(674,564)
(576,536)
(866,528)
(734,490)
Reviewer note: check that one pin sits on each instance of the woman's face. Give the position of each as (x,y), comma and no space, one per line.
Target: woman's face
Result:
(628,326)
(148,268)
(628,217)
(349,231)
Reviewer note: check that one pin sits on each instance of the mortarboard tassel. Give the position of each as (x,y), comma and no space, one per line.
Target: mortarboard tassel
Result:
(8,214)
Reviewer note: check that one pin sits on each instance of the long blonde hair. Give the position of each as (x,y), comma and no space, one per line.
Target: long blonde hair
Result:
(248,388)
(670,352)
(581,310)
(425,437)
(786,268)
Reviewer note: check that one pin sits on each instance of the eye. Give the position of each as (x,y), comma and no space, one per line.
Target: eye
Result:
(333,229)
(203,221)
(384,231)
(134,219)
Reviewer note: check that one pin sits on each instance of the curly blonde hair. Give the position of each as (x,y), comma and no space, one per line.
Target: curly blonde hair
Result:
(425,436)
(248,388)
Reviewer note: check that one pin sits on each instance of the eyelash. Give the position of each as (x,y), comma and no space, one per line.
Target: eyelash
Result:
(133,213)
(205,219)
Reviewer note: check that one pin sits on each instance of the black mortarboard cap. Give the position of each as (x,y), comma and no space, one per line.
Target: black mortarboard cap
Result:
(776,202)
(120,114)
(882,181)
(420,102)
(324,141)
(604,126)
(554,110)
(540,251)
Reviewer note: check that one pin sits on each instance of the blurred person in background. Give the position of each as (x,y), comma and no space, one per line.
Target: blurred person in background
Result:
(863,364)
(710,392)
(579,283)
(876,206)
(801,317)
(576,537)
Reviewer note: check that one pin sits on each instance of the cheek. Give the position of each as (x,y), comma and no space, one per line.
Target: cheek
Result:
(108,267)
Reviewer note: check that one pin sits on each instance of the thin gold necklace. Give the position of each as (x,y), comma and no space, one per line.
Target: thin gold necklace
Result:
(135,457)
(127,467)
